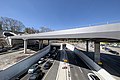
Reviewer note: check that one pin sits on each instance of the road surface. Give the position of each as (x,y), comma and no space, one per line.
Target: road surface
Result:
(79,69)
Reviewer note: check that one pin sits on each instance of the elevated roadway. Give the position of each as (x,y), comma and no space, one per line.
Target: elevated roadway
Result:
(105,32)
(99,33)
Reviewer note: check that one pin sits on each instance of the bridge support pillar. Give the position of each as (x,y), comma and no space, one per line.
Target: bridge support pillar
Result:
(97,52)
(48,42)
(25,45)
(87,45)
(40,44)
(61,46)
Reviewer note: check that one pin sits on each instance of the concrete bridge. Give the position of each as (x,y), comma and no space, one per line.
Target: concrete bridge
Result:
(99,33)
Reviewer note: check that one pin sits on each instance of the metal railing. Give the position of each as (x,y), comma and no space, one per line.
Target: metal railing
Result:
(97,24)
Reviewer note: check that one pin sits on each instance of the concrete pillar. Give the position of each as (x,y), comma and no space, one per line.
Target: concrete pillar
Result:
(87,45)
(40,44)
(61,46)
(97,52)
(25,46)
(48,42)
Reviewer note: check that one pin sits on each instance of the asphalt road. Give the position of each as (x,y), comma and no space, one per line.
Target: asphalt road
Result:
(52,73)
(111,63)
(26,77)
(79,69)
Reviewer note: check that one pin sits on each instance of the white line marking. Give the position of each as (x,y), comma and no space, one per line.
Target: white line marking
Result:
(48,70)
(80,70)
(58,72)
(69,72)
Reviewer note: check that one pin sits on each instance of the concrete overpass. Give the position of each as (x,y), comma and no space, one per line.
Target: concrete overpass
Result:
(107,32)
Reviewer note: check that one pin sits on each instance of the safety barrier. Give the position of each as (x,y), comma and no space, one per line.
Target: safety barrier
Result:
(90,63)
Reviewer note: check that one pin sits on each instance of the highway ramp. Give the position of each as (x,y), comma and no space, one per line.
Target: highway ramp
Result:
(79,69)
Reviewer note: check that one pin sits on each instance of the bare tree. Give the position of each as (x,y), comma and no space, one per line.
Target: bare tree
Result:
(11,24)
(27,30)
(31,30)
(45,29)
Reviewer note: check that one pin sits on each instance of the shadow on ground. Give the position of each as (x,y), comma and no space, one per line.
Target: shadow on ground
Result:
(111,63)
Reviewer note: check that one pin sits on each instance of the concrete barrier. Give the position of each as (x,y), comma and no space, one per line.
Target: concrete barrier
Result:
(90,63)
(71,47)
(86,59)
(22,65)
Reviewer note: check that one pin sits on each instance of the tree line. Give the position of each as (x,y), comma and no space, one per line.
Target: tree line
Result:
(13,25)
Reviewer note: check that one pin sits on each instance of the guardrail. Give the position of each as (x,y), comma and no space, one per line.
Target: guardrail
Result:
(97,24)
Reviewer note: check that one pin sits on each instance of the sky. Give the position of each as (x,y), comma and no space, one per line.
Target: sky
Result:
(61,14)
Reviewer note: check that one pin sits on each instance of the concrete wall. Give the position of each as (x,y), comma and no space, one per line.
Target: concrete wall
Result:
(71,47)
(22,65)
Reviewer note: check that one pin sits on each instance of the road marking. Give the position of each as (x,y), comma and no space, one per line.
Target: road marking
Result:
(69,72)
(58,72)
(76,74)
(68,69)
(79,67)
(63,74)
(44,63)
(80,70)
(49,70)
